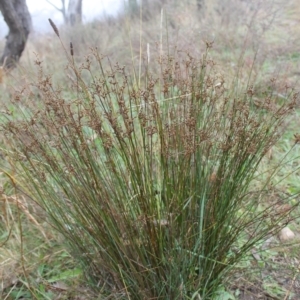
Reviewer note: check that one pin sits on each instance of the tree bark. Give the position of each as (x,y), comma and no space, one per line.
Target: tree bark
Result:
(75,12)
(18,20)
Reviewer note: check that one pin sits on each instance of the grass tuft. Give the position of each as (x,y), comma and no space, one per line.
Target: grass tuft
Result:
(154,183)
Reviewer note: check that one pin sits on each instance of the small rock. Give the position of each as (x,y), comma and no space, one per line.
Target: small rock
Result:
(286,234)
(267,243)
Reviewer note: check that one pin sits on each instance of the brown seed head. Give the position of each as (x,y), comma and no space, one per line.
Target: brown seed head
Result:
(54,27)
(71,49)
(297,138)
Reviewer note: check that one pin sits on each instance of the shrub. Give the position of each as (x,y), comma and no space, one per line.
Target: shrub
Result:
(152,182)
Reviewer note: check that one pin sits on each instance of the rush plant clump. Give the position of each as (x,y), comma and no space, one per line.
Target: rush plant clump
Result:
(152,182)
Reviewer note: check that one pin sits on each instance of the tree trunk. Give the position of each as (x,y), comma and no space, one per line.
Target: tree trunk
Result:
(62,9)
(200,4)
(75,12)
(18,20)
(133,8)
